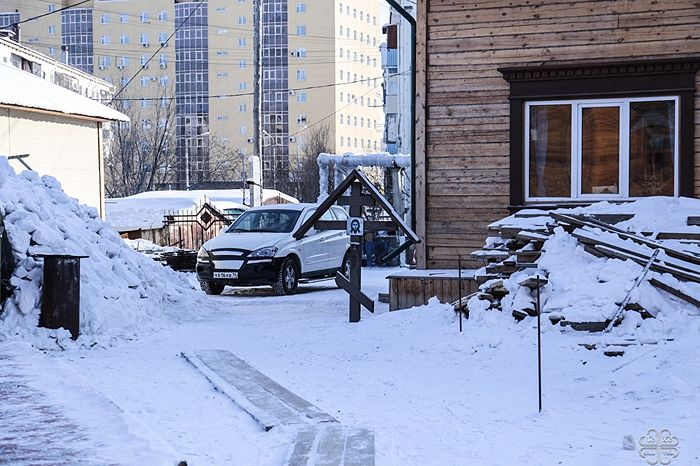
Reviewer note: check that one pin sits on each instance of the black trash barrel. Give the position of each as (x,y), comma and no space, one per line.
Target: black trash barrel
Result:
(60,293)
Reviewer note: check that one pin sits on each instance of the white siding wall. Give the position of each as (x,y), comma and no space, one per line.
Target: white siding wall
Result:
(66,148)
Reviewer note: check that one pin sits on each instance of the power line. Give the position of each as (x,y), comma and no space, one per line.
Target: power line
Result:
(49,13)
(243,94)
(343,107)
(208,26)
(229,59)
(184,21)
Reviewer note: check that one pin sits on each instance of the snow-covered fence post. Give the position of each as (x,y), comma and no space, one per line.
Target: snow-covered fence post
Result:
(459,289)
(536,283)
(539,345)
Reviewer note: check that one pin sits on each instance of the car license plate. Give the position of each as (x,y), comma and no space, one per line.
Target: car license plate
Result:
(232,275)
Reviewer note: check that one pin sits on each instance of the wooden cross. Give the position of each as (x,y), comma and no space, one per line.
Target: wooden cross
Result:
(363,193)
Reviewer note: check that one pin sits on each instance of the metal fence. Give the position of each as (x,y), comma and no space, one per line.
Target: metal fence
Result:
(190,229)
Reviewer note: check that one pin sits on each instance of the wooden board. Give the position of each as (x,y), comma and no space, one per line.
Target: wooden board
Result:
(675,292)
(332,445)
(269,403)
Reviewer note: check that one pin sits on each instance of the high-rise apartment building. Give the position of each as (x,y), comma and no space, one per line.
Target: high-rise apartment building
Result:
(320,65)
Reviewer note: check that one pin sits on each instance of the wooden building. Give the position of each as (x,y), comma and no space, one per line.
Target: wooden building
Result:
(527,103)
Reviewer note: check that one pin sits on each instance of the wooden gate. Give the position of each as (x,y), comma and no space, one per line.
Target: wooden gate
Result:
(190,229)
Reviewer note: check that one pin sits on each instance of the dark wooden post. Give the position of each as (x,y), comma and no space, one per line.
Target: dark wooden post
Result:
(539,344)
(60,298)
(356,252)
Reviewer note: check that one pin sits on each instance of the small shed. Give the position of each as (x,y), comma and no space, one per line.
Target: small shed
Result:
(172,218)
(60,130)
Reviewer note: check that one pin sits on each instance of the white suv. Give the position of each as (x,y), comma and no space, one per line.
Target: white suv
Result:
(259,249)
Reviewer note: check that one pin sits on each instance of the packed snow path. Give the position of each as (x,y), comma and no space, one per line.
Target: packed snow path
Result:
(49,415)
(33,432)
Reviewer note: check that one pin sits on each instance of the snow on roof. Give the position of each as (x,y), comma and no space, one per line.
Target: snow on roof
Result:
(145,211)
(22,89)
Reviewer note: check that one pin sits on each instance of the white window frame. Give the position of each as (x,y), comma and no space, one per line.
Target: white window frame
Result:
(576,158)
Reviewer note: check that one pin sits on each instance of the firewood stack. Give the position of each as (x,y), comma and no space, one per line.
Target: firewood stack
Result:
(518,246)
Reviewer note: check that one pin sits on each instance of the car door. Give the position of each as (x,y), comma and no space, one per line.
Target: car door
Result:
(311,247)
(336,243)
(323,241)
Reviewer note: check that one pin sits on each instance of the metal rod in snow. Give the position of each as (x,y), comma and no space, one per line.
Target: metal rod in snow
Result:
(539,346)
(459,290)
(637,282)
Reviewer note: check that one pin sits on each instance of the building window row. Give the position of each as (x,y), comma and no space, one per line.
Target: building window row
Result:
(353,121)
(359,143)
(355,13)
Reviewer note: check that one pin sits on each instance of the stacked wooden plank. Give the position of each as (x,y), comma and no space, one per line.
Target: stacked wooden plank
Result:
(515,245)
(512,246)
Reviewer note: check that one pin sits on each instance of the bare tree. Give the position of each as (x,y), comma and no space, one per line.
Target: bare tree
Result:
(142,151)
(303,169)
(225,162)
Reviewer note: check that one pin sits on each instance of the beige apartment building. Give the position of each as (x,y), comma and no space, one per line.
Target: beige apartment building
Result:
(320,66)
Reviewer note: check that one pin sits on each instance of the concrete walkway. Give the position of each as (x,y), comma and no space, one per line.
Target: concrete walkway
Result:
(32,431)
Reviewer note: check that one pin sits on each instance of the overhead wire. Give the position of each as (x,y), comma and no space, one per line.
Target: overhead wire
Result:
(177,28)
(154,25)
(297,89)
(49,13)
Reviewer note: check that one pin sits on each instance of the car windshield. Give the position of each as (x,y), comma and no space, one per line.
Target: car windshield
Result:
(268,221)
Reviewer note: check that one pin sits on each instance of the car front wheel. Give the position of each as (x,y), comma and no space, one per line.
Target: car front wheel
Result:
(212,288)
(287,278)
(345,267)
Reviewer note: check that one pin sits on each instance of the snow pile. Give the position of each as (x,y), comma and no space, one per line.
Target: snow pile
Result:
(585,288)
(148,247)
(122,292)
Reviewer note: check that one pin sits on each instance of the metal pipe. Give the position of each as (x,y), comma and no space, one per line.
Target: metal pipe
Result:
(346,162)
(412,23)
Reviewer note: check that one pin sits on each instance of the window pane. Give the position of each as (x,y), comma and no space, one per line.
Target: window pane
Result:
(600,150)
(550,151)
(652,134)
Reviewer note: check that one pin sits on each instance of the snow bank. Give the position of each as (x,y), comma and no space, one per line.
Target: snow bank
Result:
(122,292)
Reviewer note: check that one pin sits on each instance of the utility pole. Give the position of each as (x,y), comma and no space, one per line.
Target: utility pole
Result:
(187,164)
(257,65)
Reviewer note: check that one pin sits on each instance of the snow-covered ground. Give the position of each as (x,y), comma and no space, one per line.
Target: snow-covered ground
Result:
(433,396)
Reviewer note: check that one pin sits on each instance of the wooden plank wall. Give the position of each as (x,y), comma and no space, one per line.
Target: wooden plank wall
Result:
(407,292)
(465,115)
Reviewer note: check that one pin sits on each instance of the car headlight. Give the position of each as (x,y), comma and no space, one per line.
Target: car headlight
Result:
(264,252)
(203,254)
